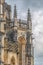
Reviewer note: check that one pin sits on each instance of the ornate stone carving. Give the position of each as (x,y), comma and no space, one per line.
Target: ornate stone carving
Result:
(22,40)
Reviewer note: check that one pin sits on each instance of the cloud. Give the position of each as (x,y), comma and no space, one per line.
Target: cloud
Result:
(37,20)
(23,15)
(38,32)
(25,4)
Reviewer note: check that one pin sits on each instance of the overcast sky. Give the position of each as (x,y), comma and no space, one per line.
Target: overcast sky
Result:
(36,8)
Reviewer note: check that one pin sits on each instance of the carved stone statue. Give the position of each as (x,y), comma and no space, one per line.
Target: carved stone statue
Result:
(21,40)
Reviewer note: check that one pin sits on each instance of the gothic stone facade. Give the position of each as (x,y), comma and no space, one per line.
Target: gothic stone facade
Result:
(16,46)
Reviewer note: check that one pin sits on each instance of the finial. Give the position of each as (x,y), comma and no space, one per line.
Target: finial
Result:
(15,12)
(28,15)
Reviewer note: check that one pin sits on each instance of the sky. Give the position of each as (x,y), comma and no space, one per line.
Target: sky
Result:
(36,9)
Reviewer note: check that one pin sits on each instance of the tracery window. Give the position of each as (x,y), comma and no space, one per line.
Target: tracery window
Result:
(12,35)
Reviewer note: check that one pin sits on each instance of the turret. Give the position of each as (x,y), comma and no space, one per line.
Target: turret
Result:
(15,12)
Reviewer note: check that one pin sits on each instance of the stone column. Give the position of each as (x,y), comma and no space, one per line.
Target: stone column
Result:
(2,50)
(5,51)
(22,42)
(23,54)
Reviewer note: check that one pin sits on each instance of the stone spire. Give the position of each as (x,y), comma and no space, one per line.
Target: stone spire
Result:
(29,23)
(28,16)
(15,12)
